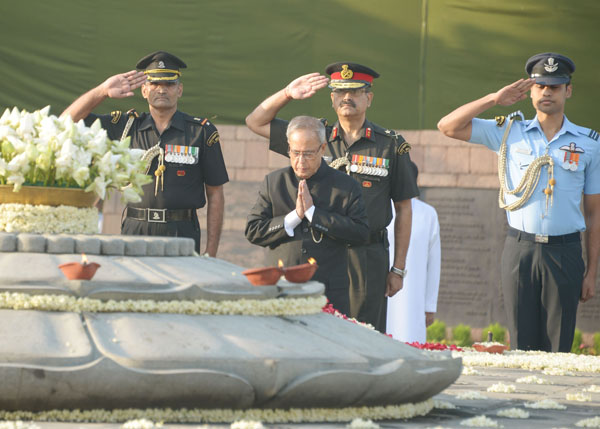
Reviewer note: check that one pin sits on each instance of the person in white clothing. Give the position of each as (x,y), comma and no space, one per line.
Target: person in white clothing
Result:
(412,309)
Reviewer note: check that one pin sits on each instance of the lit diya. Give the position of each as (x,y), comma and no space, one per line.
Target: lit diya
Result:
(301,273)
(83,270)
(266,276)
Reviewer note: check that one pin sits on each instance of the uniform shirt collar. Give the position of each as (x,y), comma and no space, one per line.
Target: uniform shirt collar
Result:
(177,121)
(366,132)
(567,126)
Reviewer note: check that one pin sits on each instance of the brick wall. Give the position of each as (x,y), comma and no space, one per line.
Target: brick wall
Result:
(442,162)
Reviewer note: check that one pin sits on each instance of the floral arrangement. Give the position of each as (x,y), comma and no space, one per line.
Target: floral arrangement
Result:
(41,149)
(434,346)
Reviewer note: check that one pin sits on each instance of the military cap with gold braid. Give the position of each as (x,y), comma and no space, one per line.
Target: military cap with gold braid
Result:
(160,66)
(350,75)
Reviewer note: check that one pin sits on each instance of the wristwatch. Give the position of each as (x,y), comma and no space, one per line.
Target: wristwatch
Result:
(401,273)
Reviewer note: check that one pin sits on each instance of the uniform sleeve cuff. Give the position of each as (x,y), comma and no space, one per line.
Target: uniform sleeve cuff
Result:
(309,213)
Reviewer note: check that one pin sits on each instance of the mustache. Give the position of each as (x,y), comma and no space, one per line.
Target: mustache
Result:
(348,102)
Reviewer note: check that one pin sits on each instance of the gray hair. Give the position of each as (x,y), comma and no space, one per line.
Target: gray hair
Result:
(307,123)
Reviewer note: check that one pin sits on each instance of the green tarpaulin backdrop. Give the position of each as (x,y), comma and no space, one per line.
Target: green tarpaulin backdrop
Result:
(433,55)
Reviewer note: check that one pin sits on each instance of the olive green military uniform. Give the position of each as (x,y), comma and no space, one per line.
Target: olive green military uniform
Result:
(192,158)
(380,163)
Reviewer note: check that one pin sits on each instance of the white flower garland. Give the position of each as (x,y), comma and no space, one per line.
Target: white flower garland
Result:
(480,422)
(532,379)
(48,219)
(502,388)
(293,415)
(579,396)
(249,307)
(593,422)
(545,404)
(549,363)
(513,413)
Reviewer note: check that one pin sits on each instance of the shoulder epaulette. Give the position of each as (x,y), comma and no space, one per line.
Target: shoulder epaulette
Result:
(593,135)
(323,121)
(132,112)
(115,115)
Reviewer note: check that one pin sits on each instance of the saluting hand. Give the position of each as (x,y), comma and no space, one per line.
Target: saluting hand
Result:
(514,92)
(306,86)
(122,85)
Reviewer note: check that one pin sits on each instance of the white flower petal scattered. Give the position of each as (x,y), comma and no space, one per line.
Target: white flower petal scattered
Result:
(480,422)
(593,388)
(545,404)
(502,388)
(471,395)
(362,424)
(579,396)
(443,405)
(467,370)
(513,413)
(548,363)
(532,379)
(593,422)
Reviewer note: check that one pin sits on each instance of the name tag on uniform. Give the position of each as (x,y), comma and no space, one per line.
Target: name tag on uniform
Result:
(523,151)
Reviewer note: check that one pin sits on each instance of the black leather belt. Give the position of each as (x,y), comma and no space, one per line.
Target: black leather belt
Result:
(547,239)
(377,236)
(160,215)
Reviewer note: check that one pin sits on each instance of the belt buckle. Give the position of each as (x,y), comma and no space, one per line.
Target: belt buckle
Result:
(157,215)
(540,238)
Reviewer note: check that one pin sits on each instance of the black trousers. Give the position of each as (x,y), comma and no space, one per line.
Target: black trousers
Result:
(187,228)
(541,284)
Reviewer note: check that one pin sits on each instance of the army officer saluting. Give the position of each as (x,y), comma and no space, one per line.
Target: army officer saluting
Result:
(183,151)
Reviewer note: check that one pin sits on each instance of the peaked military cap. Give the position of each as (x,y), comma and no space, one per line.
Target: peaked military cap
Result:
(350,75)
(550,68)
(161,66)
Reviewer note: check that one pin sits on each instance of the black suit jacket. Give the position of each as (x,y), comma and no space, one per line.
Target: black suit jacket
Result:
(339,219)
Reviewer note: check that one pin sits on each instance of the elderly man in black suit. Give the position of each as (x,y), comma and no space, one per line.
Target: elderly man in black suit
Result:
(310,210)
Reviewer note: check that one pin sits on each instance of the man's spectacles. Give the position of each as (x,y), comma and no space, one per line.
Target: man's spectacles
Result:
(307,154)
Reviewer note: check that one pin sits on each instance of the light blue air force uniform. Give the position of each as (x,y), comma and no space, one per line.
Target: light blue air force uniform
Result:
(576,154)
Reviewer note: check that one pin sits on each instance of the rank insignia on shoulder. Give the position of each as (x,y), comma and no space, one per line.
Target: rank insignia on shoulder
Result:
(132,112)
(500,120)
(593,135)
(368,132)
(214,138)
(323,121)
(115,116)
(403,148)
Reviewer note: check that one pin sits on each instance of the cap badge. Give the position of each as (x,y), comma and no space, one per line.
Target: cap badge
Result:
(161,64)
(550,66)
(346,73)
